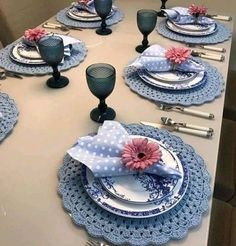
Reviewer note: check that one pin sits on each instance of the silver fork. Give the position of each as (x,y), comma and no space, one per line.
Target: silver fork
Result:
(94,242)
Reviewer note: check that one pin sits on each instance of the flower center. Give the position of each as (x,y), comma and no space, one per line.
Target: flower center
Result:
(141,155)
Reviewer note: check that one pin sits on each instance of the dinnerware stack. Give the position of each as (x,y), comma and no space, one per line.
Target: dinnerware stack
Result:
(140,195)
(24,58)
(192,29)
(172,80)
(179,20)
(181,26)
(77,14)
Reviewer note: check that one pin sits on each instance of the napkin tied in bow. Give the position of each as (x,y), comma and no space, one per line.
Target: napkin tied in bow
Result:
(102,153)
(86,5)
(153,59)
(181,16)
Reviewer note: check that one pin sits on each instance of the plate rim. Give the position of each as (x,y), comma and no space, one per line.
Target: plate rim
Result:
(186,29)
(195,74)
(14,58)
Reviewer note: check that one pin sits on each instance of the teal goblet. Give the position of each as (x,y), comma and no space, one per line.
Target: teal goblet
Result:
(146,21)
(103,8)
(51,49)
(101,79)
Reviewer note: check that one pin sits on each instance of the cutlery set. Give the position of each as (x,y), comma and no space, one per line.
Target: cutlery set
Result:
(94,242)
(63,28)
(171,125)
(207,47)
(4,74)
(219,17)
(208,55)
(181,127)
(166,107)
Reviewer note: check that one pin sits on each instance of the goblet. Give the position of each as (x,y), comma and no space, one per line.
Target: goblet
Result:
(51,49)
(101,81)
(163,6)
(146,20)
(103,8)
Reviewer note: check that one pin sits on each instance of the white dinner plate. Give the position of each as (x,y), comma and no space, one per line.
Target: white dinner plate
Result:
(120,207)
(147,78)
(176,29)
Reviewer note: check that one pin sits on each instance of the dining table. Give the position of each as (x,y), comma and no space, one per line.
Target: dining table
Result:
(51,120)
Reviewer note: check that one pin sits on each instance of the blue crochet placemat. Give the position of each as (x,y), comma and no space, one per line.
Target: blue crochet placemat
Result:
(8,115)
(222,34)
(158,230)
(206,92)
(78,53)
(64,19)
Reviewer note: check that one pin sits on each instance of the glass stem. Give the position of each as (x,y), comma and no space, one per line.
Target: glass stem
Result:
(145,41)
(163,4)
(56,74)
(102,106)
(103,24)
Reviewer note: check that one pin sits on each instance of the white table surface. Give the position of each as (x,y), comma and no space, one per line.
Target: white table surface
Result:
(50,121)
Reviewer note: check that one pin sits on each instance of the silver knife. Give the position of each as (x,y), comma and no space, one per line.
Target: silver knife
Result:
(179,129)
(220,17)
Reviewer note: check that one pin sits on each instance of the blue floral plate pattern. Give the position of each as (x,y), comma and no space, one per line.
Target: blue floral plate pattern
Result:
(147,188)
(170,192)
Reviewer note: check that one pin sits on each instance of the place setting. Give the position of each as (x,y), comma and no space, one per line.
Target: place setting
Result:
(133,182)
(8,115)
(192,25)
(91,14)
(173,76)
(23,56)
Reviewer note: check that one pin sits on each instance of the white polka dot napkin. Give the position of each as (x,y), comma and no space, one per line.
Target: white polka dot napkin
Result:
(153,59)
(102,153)
(181,16)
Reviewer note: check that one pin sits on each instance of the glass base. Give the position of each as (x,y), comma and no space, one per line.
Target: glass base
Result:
(161,14)
(141,48)
(109,114)
(62,82)
(107,31)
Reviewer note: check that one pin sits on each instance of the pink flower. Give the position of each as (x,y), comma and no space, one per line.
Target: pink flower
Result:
(197,10)
(85,2)
(140,154)
(178,55)
(34,34)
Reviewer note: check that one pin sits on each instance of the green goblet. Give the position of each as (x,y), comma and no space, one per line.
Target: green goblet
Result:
(146,21)
(101,81)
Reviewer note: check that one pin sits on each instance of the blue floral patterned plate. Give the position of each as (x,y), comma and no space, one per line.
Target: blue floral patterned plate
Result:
(170,194)
(174,28)
(180,85)
(145,188)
